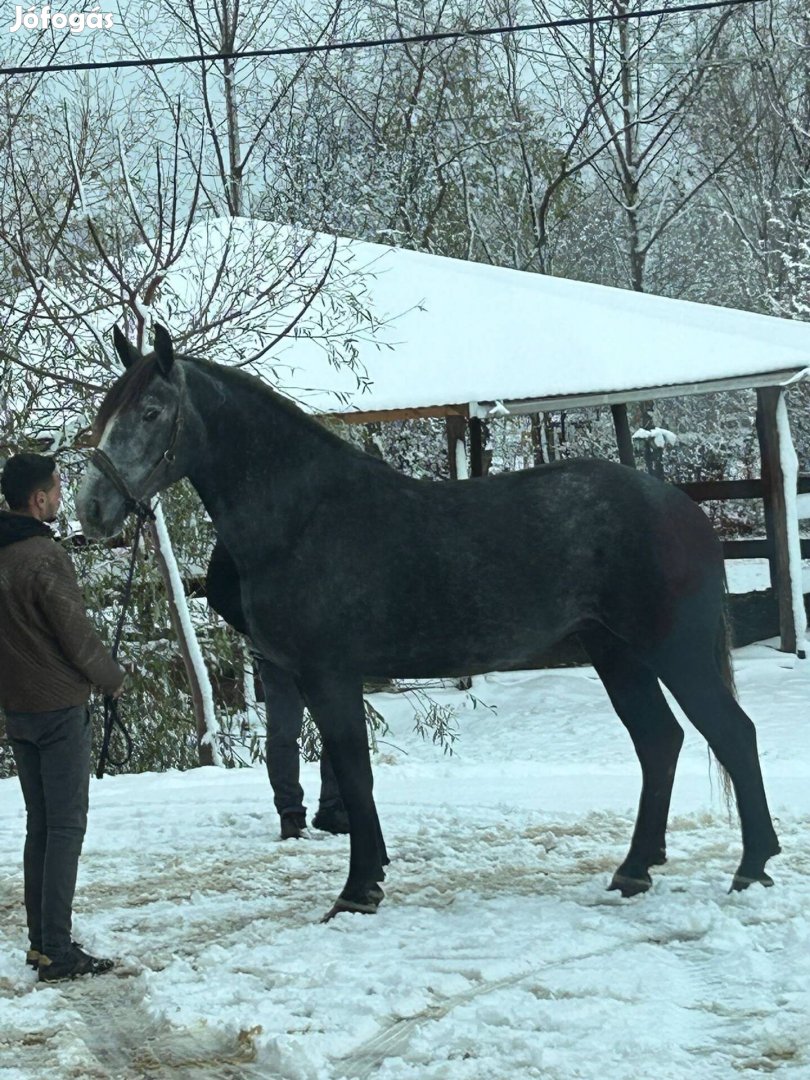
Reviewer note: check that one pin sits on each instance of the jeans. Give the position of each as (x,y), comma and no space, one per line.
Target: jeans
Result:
(285,716)
(52,752)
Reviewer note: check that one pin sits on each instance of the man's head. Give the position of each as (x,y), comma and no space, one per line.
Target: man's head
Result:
(31,485)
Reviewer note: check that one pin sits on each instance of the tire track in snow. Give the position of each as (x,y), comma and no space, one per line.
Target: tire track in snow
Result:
(742,1026)
(713,996)
(120,1039)
(393,1041)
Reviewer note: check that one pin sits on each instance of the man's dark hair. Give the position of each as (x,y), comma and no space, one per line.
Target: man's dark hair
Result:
(23,475)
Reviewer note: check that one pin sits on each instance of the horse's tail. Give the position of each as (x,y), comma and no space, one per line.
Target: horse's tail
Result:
(722,654)
(722,645)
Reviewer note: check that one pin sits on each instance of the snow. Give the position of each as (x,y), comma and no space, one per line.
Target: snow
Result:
(660,436)
(462,332)
(465,332)
(248,689)
(754,575)
(446,331)
(462,466)
(790,476)
(497,952)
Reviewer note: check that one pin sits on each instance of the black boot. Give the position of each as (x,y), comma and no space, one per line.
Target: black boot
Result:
(33,955)
(75,962)
(293,826)
(332,819)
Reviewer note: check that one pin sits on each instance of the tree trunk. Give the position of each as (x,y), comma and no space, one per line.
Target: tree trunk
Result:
(204,749)
(235,185)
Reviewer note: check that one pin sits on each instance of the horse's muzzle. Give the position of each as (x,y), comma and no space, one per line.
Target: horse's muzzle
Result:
(99,520)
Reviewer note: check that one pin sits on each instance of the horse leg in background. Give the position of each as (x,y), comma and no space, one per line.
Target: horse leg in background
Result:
(657,737)
(692,675)
(336,705)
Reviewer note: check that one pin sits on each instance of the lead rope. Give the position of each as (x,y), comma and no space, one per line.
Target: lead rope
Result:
(112,718)
(142,511)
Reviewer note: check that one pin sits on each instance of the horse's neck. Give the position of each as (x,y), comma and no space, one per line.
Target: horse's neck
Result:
(254,464)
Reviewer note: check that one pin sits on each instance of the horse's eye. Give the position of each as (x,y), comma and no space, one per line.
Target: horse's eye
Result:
(151,414)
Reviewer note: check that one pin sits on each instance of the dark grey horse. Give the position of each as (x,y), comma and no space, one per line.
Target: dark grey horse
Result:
(350,569)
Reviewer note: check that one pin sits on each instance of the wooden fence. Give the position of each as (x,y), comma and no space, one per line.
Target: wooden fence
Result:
(725,490)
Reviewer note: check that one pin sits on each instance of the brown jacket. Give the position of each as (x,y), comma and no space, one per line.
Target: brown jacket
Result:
(50,653)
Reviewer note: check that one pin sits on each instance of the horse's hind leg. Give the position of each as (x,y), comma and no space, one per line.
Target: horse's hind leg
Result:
(657,737)
(710,705)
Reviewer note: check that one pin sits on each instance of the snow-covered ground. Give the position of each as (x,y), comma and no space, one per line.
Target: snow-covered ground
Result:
(497,952)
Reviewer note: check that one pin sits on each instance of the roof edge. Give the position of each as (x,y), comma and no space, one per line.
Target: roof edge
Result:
(523,406)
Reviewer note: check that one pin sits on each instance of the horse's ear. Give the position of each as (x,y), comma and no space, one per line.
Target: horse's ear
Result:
(164,350)
(127,353)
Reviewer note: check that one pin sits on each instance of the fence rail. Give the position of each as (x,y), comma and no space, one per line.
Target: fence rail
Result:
(723,491)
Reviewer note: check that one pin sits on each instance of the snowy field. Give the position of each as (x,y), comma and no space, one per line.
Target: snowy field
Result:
(497,953)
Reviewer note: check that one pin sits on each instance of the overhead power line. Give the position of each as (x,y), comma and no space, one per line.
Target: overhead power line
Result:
(375,43)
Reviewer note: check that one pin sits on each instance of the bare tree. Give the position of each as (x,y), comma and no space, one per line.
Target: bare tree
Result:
(638,82)
(522,180)
(91,241)
(226,105)
(762,109)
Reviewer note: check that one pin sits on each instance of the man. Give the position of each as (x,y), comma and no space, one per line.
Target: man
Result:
(285,716)
(50,656)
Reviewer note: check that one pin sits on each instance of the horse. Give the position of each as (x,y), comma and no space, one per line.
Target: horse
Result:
(349,569)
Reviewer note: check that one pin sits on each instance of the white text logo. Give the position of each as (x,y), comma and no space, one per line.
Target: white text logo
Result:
(75,21)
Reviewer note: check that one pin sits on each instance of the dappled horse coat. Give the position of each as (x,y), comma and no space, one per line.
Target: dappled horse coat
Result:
(350,569)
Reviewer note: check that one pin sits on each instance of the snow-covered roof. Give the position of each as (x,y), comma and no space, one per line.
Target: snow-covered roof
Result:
(449,335)
(464,332)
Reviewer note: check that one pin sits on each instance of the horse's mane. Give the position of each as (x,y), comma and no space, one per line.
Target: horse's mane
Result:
(127,391)
(261,389)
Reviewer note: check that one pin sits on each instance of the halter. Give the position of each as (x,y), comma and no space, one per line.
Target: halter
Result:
(104,464)
(142,510)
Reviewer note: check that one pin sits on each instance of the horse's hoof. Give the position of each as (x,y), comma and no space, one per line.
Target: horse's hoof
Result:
(741,882)
(368,906)
(629,886)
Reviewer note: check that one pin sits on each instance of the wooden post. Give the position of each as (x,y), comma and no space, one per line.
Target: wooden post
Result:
(776,518)
(479,438)
(456,427)
(537,439)
(623,438)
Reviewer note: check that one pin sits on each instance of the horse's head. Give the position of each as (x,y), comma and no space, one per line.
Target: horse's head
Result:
(139,430)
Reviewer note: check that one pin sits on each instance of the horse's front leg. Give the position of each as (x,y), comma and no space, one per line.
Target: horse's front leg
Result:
(336,704)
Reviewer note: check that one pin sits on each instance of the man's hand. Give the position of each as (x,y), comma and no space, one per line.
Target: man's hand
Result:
(129,669)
